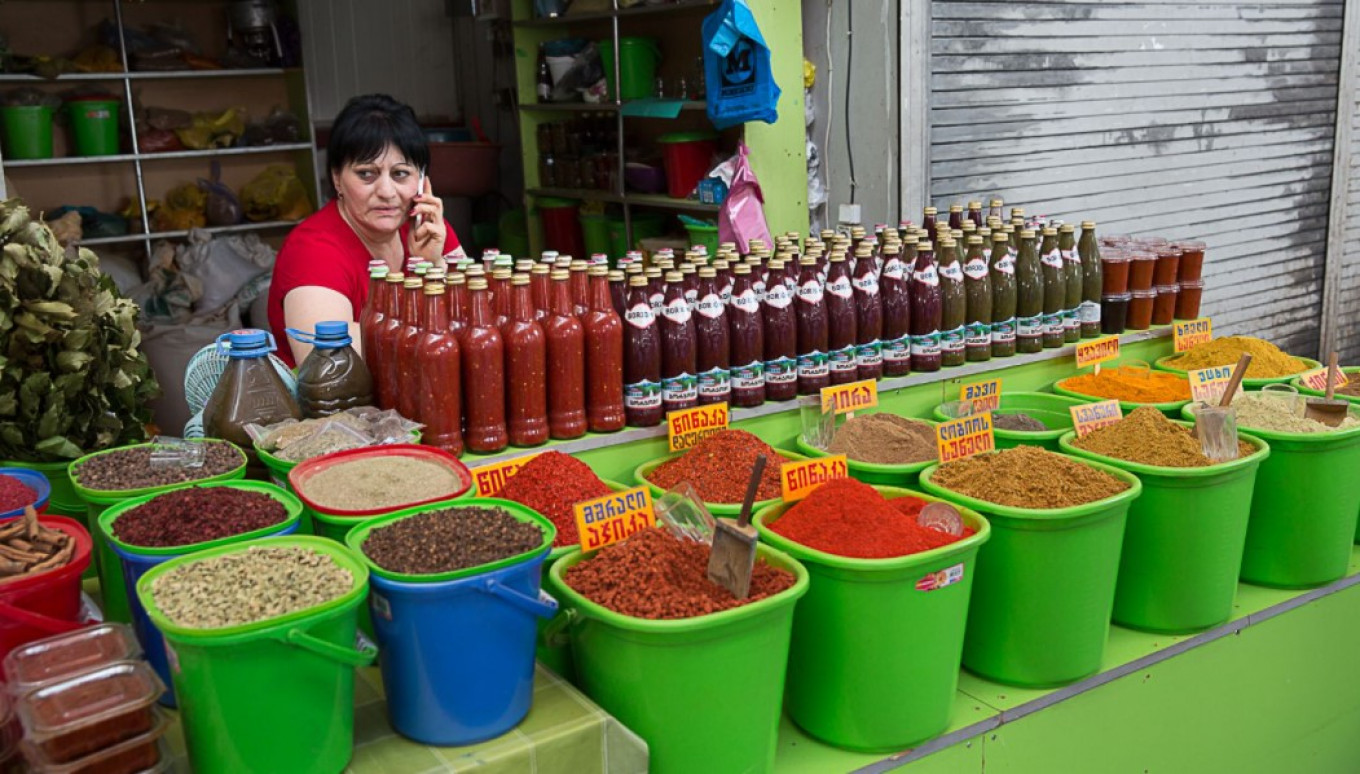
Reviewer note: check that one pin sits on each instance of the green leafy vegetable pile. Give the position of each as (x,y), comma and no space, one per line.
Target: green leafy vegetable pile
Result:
(72,380)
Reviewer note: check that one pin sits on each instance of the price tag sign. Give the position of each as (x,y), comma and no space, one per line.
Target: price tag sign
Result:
(798,479)
(1207,384)
(850,397)
(984,396)
(1091,416)
(490,479)
(1317,379)
(614,517)
(1192,333)
(686,427)
(964,437)
(1097,351)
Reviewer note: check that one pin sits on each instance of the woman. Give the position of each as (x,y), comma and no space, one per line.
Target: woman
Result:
(376,156)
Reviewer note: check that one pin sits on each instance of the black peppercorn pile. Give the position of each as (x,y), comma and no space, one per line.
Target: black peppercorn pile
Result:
(125,469)
(187,516)
(450,539)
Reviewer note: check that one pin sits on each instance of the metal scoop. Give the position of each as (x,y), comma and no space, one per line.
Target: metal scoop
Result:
(733,555)
(1216,426)
(1328,410)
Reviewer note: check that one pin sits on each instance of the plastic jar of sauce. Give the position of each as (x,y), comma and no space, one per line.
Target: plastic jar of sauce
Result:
(1164,308)
(1192,260)
(1141,269)
(1187,302)
(1114,313)
(1168,263)
(1140,309)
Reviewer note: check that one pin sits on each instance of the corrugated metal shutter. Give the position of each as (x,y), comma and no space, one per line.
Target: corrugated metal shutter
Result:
(1210,119)
(1348,307)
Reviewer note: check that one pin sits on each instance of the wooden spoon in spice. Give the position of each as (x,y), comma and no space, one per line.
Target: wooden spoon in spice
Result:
(1329,411)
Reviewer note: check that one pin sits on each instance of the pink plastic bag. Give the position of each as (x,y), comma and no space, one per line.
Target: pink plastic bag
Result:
(742,217)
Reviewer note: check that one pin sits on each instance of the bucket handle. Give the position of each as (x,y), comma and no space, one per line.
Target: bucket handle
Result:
(348,656)
(37,620)
(544,606)
(555,633)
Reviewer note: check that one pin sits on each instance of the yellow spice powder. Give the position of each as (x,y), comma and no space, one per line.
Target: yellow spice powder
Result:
(1267,360)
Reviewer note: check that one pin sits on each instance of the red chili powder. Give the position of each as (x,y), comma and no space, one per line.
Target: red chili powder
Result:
(719,468)
(15,494)
(850,518)
(551,484)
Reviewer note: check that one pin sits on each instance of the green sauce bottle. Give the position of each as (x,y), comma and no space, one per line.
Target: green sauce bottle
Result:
(1092,280)
(1029,287)
(1002,271)
(953,304)
(1072,275)
(1055,288)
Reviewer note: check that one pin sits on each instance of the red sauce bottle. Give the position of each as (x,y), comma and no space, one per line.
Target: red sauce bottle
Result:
(781,337)
(896,312)
(975,213)
(456,284)
(746,340)
(566,363)
(713,340)
(375,311)
(927,308)
(641,357)
(841,321)
(407,339)
(580,288)
(868,317)
(723,280)
(679,384)
(814,370)
(500,296)
(539,288)
(438,382)
(955,217)
(385,342)
(526,369)
(604,357)
(483,375)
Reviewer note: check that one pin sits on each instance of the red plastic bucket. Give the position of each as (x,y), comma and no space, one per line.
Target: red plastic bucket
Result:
(562,226)
(46,603)
(687,156)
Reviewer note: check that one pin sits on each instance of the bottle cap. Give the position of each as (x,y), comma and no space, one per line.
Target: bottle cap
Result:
(394,277)
(519,279)
(560,275)
(708,272)
(674,277)
(974,205)
(477,284)
(598,271)
(1026,233)
(956,208)
(932,211)
(434,289)
(637,281)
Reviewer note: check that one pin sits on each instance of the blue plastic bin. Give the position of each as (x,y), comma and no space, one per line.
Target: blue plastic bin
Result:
(33,480)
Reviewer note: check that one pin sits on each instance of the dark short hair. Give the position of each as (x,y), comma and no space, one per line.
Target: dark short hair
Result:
(367,125)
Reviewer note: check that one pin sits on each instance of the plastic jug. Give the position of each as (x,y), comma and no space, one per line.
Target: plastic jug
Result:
(333,377)
(249,390)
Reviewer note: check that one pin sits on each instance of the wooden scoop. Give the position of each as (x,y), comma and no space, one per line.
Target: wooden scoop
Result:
(1328,410)
(733,555)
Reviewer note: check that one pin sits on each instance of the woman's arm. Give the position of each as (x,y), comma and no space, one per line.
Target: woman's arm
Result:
(306,306)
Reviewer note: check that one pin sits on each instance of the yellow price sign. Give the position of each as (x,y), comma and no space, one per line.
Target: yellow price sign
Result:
(614,517)
(490,479)
(1092,416)
(1317,379)
(1192,333)
(964,437)
(686,427)
(1207,384)
(852,396)
(984,396)
(1097,351)
(798,479)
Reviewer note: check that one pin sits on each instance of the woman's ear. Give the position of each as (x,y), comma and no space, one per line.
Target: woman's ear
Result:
(335,185)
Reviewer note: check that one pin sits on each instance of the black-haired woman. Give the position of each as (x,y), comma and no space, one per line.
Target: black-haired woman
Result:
(377,156)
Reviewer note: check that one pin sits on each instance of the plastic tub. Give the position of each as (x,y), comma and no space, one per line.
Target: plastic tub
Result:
(63,656)
(904,475)
(1304,513)
(1114,275)
(1140,309)
(1191,265)
(1187,301)
(47,602)
(1168,263)
(595,233)
(71,719)
(703,235)
(705,693)
(1163,364)
(458,648)
(638,58)
(33,480)
(1053,410)
(717,509)
(562,225)
(305,662)
(64,501)
(688,157)
(1114,312)
(1164,306)
(1045,586)
(1141,269)
(1183,542)
(94,126)
(841,687)
(1171,409)
(145,754)
(135,561)
(27,131)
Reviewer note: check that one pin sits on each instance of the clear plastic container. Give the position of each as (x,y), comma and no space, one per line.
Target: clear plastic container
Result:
(1141,270)
(1187,302)
(1192,261)
(142,754)
(1114,312)
(1140,309)
(64,656)
(71,719)
(1164,307)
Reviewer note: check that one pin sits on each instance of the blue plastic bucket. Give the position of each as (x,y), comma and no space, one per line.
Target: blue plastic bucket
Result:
(33,480)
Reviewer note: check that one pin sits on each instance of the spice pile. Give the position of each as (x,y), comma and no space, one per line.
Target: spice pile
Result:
(369,483)
(719,468)
(1351,387)
(850,518)
(552,484)
(295,441)
(655,575)
(1267,361)
(1133,385)
(124,469)
(243,587)
(449,540)
(1028,477)
(1147,437)
(26,546)
(1281,414)
(196,515)
(885,439)
(1020,422)
(15,494)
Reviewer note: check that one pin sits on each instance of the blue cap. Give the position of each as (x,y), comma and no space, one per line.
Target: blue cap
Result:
(332,334)
(332,329)
(246,343)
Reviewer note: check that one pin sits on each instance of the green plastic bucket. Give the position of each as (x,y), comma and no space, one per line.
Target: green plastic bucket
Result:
(1052,410)
(1304,514)
(874,660)
(705,693)
(717,509)
(638,58)
(64,501)
(1183,542)
(1171,409)
(94,126)
(277,695)
(646,225)
(595,233)
(27,131)
(872,472)
(111,585)
(1044,587)
(703,235)
(1247,384)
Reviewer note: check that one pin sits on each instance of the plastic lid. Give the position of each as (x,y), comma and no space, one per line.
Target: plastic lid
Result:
(1149,293)
(1199,283)
(1140,255)
(674,137)
(247,343)
(113,758)
(1188,244)
(1117,297)
(53,659)
(1115,258)
(90,698)
(1167,289)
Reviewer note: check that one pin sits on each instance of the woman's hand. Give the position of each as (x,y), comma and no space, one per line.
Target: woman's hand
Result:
(428,234)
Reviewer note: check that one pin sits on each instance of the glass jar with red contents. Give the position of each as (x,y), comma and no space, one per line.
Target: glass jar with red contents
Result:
(1187,302)
(407,339)
(1164,306)
(841,320)
(813,362)
(746,339)
(712,340)
(382,360)
(641,358)
(456,284)
(679,384)
(483,372)
(375,306)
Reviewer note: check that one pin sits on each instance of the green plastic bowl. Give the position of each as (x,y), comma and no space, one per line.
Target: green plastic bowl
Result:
(717,509)
(905,475)
(1297,384)
(1052,410)
(1171,409)
(1247,384)
(841,688)
(292,506)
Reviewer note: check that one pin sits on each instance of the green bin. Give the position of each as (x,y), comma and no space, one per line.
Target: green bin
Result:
(703,235)
(1052,410)
(1297,384)
(1183,542)
(637,66)
(94,126)
(705,693)
(595,232)
(874,660)
(717,509)
(27,131)
(1044,587)
(905,475)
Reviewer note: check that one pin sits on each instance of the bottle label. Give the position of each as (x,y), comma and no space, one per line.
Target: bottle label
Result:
(746,301)
(677,311)
(777,296)
(897,350)
(658,302)
(710,306)
(692,297)
(1070,320)
(749,376)
(867,285)
(975,269)
(870,354)
(952,340)
(977,335)
(1003,331)
(926,345)
(810,292)
(952,271)
(759,287)
(679,388)
(642,395)
(814,364)
(781,370)
(1070,256)
(640,316)
(843,360)
(926,276)
(725,293)
(1052,259)
(1053,324)
(840,288)
(894,269)
(1089,312)
(1005,264)
(715,383)
(1029,327)
(1012,253)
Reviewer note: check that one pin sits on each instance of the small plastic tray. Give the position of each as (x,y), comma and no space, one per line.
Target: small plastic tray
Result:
(300,475)
(141,754)
(63,656)
(71,719)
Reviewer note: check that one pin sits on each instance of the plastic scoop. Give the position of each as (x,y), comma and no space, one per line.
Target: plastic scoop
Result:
(170,452)
(941,517)
(1216,426)
(819,424)
(684,514)
(1328,410)
(733,555)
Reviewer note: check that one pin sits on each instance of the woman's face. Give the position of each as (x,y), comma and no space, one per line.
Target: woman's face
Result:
(377,194)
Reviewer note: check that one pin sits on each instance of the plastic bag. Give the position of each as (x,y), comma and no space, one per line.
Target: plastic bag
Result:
(214,130)
(737,68)
(742,217)
(275,194)
(223,266)
(223,208)
(182,210)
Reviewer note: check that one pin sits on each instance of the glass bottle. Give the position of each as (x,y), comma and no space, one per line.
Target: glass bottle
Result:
(1002,270)
(955,217)
(975,213)
(868,317)
(540,284)
(618,290)
(926,311)
(977,285)
(896,311)
(814,371)
(679,385)
(1055,288)
(953,305)
(383,363)
(1029,304)
(641,358)
(1092,280)
(656,290)
(712,340)
(566,362)
(604,357)
(439,379)
(526,369)
(841,321)
(375,306)
(1072,277)
(746,329)
(929,224)
(407,339)
(580,287)
(995,209)
(499,288)
(781,336)
(483,361)
(456,284)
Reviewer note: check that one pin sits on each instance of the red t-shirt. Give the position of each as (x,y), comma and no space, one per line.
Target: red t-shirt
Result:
(323,251)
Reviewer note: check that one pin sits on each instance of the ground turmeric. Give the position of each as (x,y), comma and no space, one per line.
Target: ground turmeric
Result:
(1133,385)
(1267,360)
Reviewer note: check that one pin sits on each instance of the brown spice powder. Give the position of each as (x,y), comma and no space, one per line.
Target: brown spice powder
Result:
(1028,477)
(885,439)
(1147,437)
